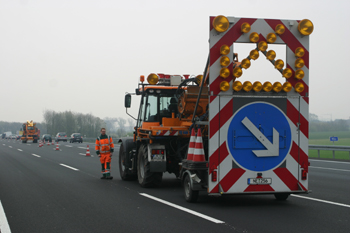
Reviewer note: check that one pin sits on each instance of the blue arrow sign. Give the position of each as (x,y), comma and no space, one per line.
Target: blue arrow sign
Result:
(259,136)
(333,139)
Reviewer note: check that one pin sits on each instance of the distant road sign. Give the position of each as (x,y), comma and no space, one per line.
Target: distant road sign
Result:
(333,139)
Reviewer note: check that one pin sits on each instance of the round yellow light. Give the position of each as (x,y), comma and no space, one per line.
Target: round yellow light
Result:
(254,37)
(247,86)
(279,29)
(279,64)
(299,74)
(299,63)
(277,87)
(245,27)
(287,73)
(237,86)
(152,79)
(224,49)
(224,61)
(257,86)
(245,63)
(267,86)
(224,72)
(254,54)
(299,87)
(287,87)
(237,72)
(270,55)
(221,23)
(305,27)
(299,52)
(271,37)
(262,46)
(224,86)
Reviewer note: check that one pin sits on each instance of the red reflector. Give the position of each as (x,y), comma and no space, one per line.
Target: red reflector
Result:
(214,176)
(162,151)
(303,174)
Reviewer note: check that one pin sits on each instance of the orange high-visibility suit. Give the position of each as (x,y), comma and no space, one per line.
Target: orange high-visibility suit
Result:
(104,147)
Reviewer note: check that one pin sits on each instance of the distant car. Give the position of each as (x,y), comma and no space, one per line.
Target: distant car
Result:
(13,137)
(18,137)
(61,137)
(46,138)
(76,137)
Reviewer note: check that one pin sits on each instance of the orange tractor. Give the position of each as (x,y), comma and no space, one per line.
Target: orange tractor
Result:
(30,132)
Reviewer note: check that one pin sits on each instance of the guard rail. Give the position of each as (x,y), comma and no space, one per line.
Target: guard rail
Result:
(329,147)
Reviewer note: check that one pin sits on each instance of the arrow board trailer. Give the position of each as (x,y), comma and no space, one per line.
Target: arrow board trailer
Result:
(258,133)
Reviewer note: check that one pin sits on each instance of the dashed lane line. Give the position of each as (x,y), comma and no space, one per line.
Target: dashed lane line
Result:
(19,150)
(333,169)
(328,161)
(10,146)
(68,146)
(3,144)
(183,208)
(64,165)
(36,155)
(320,200)
(82,147)
(4,225)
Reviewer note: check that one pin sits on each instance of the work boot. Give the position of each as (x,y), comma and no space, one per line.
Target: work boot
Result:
(109,177)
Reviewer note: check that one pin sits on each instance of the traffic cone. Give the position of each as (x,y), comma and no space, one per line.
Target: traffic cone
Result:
(87,151)
(40,144)
(52,142)
(198,154)
(57,148)
(191,146)
(48,142)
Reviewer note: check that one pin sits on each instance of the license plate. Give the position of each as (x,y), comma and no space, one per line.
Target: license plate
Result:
(259,180)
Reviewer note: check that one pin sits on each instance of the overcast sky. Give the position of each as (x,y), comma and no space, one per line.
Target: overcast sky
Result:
(83,55)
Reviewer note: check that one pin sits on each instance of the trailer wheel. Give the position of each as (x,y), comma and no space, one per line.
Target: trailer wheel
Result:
(24,141)
(190,194)
(145,176)
(281,196)
(124,170)
(35,141)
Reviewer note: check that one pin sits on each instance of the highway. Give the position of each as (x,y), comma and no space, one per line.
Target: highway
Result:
(43,190)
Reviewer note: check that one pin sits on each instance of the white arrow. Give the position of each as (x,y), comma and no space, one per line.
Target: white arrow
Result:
(272,148)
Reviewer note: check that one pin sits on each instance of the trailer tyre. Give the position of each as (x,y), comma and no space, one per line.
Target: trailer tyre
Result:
(190,194)
(281,196)
(124,170)
(146,178)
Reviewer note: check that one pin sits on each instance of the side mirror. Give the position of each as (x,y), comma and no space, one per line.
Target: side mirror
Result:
(127,101)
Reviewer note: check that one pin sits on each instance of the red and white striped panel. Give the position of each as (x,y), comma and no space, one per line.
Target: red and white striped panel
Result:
(233,178)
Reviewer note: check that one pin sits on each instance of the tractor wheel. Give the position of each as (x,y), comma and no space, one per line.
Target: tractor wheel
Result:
(281,196)
(145,176)
(35,141)
(123,169)
(24,141)
(190,194)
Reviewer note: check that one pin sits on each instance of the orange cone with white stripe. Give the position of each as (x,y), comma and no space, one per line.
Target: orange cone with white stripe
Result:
(87,151)
(198,154)
(40,144)
(52,143)
(191,146)
(57,148)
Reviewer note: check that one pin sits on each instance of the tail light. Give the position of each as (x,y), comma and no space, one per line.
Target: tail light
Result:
(66,136)
(214,176)
(303,174)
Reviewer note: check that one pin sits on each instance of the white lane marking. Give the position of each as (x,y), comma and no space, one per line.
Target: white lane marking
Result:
(183,209)
(82,147)
(64,165)
(19,150)
(327,161)
(68,146)
(10,146)
(320,200)
(334,169)
(36,155)
(3,144)
(4,225)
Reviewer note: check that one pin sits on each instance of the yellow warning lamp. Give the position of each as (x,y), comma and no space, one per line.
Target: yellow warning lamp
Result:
(299,63)
(305,27)
(299,87)
(221,23)
(262,46)
(257,86)
(271,37)
(299,74)
(270,55)
(245,27)
(247,86)
(287,87)
(224,49)
(224,86)
(224,72)
(277,87)
(245,63)
(254,37)
(299,52)
(267,86)
(237,86)
(279,64)
(142,78)
(224,61)
(287,73)
(152,79)
(254,54)
(198,79)
(279,29)
(237,72)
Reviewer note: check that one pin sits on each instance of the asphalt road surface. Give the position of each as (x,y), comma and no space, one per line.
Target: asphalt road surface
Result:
(43,190)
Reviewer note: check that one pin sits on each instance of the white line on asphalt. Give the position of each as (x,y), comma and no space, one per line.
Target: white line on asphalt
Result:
(10,146)
(327,161)
(3,144)
(183,209)
(36,155)
(82,147)
(68,146)
(19,150)
(334,169)
(69,167)
(320,200)
(4,225)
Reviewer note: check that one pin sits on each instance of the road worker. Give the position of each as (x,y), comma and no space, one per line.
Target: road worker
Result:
(104,149)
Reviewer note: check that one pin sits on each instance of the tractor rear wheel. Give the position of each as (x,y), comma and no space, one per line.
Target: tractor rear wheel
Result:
(146,178)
